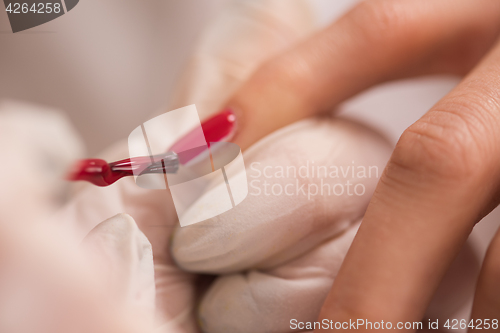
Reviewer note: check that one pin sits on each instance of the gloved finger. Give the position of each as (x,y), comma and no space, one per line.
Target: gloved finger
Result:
(279,299)
(376,41)
(123,258)
(307,183)
(442,179)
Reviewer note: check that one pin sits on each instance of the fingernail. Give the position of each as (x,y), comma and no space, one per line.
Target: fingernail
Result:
(220,127)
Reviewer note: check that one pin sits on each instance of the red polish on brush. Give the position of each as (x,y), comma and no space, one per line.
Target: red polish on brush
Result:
(220,127)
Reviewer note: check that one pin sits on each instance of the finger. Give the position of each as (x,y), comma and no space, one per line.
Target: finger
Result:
(289,209)
(442,178)
(486,308)
(376,41)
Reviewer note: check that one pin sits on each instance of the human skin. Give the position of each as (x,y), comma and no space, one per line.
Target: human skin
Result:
(442,177)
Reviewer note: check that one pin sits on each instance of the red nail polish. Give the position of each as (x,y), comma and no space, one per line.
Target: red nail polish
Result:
(220,127)
(93,170)
(101,173)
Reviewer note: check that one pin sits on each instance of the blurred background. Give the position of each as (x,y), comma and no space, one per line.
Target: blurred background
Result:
(108,64)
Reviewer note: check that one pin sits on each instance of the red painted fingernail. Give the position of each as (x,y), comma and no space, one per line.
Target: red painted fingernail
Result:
(220,127)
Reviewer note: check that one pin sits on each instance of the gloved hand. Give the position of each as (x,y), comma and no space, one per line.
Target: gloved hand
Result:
(49,284)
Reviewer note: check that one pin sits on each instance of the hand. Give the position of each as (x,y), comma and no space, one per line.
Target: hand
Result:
(442,177)
(361,49)
(311,254)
